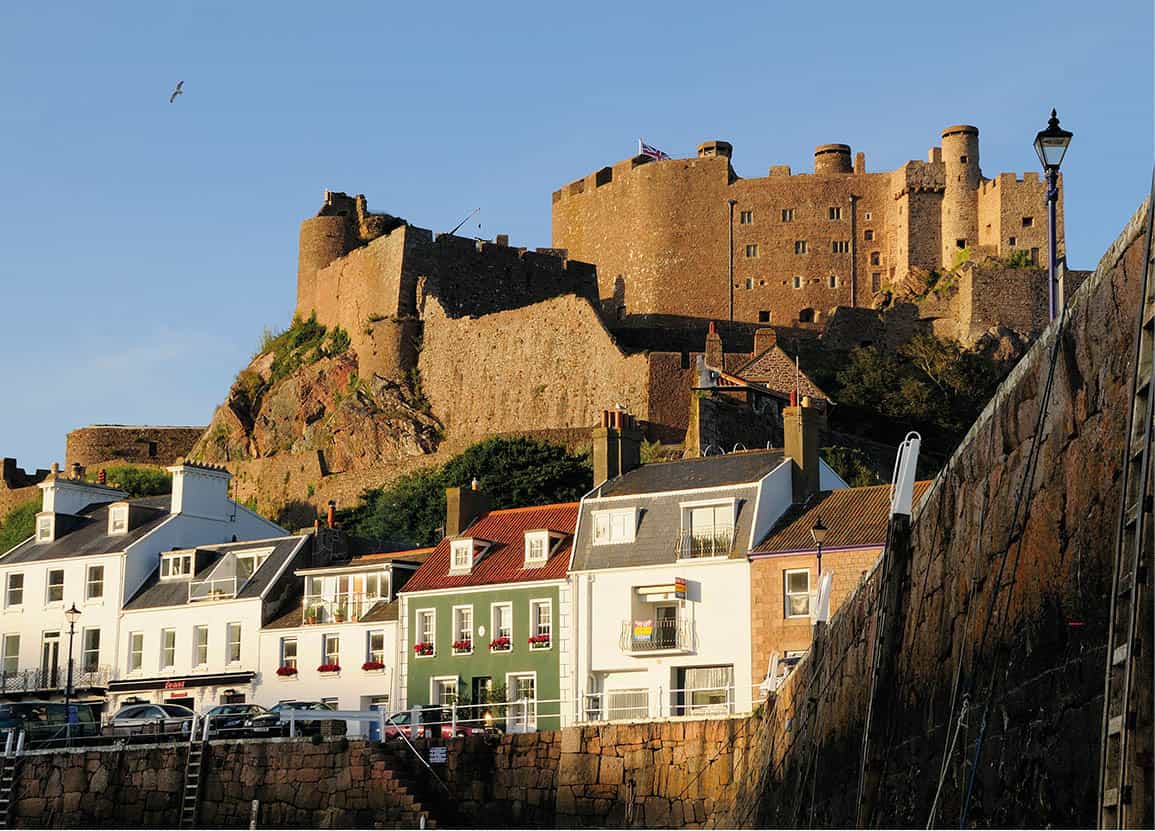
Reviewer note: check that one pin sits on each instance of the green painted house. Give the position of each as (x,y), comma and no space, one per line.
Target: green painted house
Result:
(481,616)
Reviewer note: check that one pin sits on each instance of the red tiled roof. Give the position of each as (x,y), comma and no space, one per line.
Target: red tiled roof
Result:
(854,517)
(504,561)
(414,555)
(775,370)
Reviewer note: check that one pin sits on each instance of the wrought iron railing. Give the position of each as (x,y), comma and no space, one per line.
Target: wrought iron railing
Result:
(710,541)
(653,635)
(53,678)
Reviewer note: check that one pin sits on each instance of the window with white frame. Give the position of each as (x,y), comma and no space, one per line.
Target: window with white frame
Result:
(797,589)
(615,526)
(94,583)
(462,630)
(835,214)
(461,555)
(797,281)
(840,246)
(135,651)
(55,585)
(14,596)
(200,646)
(11,654)
(502,625)
(787,214)
(175,565)
(90,650)
(799,246)
(540,624)
(425,632)
(167,648)
(377,585)
(707,530)
(232,643)
(375,646)
(118,520)
(289,652)
(331,650)
(44,529)
(443,691)
(536,547)
(752,250)
(248,563)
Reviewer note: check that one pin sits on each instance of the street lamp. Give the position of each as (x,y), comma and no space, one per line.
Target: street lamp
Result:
(71,615)
(1051,145)
(818,532)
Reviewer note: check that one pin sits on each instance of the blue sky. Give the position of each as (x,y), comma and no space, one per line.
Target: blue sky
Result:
(144,247)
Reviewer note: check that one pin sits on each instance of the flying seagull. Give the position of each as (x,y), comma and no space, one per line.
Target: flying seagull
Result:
(176,92)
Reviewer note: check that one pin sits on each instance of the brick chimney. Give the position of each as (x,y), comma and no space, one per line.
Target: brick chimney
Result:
(765,339)
(802,428)
(462,507)
(714,357)
(617,446)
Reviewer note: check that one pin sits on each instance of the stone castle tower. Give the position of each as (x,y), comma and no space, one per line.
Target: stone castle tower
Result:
(803,243)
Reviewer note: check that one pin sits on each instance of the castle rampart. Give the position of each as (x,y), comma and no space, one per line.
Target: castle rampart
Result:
(111,443)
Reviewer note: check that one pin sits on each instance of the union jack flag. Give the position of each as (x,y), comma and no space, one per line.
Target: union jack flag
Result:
(653,152)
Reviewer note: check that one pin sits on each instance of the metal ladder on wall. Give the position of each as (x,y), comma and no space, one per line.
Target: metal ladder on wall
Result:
(190,795)
(13,749)
(1125,798)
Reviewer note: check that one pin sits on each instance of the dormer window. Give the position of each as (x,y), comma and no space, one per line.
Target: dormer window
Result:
(461,556)
(176,565)
(44,529)
(616,526)
(707,529)
(118,520)
(536,548)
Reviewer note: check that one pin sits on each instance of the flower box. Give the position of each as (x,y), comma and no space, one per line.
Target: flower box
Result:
(538,641)
(501,644)
(286,671)
(462,646)
(371,666)
(422,649)
(329,668)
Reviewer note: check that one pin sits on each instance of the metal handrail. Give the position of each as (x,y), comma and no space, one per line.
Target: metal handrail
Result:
(708,541)
(53,678)
(664,634)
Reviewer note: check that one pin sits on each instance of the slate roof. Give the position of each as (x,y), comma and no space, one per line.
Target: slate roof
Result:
(382,612)
(289,620)
(776,370)
(504,561)
(690,474)
(157,593)
(854,517)
(90,535)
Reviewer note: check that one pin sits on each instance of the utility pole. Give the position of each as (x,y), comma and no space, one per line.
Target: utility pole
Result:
(730,282)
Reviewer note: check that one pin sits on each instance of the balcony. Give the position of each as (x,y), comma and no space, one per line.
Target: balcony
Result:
(658,636)
(53,678)
(348,608)
(221,588)
(703,542)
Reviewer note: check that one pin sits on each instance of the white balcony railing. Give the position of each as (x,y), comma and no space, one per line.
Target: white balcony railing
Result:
(221,588)
(708,541)
(639,637)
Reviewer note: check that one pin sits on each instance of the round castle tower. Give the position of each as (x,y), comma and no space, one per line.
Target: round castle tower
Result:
(960,198)
(324,238)
(832,160)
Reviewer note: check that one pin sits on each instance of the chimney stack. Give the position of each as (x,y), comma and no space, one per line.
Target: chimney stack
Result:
(802,433)
(77,471)
(765,339)
(331,516)
(463,506)
(714,357)
(617,445)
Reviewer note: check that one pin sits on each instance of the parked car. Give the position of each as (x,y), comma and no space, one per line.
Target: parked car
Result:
(271,722)
(150,720)
(434,721)
(44,721)
(235,719)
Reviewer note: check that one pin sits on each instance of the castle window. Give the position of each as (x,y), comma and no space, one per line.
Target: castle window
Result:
(152,450)
(751,250)
(962,159)
(806,316)
(961,243)
(832,281)
(1028,221)
(840,246)
(835,214)
(868,235)
(787,214)
(749,282)
(875,258)
(867,216)
(746,218)
(797,282)
(764,316)
(876,281)
(800,246)
(1011,242)
(1034,256)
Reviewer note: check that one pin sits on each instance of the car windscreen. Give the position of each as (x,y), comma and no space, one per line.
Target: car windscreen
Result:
(176,710)
(400,718)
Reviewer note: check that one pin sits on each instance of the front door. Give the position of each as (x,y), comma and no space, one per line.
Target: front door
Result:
(522,710)
(50,660)
(665,627)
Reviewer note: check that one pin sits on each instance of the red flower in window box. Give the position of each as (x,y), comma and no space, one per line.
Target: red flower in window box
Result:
(537,640)
(329,668)
(286,671)
(500,644)
(463,645)
(369,666)
(423,649)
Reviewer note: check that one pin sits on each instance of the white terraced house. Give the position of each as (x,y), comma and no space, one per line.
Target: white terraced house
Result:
(95,548)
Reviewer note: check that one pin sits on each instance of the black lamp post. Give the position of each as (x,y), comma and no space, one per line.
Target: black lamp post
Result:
(72,615)
(1051,145)
(818,532)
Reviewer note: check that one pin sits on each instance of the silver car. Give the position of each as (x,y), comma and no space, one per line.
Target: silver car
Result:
(150,720)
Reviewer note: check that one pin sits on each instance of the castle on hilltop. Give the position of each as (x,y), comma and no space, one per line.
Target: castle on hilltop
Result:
(659,232)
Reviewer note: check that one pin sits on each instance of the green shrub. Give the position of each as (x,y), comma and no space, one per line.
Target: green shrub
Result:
(18,524)
(1020,258)
(136,480)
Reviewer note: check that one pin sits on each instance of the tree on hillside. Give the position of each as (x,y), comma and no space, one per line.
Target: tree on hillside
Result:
(514,472)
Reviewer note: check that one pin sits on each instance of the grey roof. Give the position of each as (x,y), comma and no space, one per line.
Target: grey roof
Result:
(689,474)
(156,593)
(90,534)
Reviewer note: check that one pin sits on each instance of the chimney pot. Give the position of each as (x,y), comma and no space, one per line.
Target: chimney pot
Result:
(102,477)
(475,485)
(331,518)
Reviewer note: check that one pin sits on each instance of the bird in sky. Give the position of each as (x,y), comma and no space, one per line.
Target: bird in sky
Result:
(177,91)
